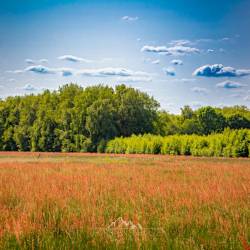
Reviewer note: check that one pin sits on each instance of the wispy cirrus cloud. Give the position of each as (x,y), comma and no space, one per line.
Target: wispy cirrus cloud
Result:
(71,58)
(230,85)
(218,70)
(150,60)
(188,42)
(130,18)
(178,50)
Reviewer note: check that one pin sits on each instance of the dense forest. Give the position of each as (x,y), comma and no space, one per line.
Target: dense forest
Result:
(85,119)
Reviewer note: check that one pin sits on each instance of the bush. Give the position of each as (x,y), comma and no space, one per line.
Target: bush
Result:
(230,143)
(101,146)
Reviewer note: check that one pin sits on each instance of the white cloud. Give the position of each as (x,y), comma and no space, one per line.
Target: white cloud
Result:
(229,85)
(169,71)
(169,104)
(204,40)
(196,104)
(247,98)
(134,79)
(29,87)
(181,42)
(102,72)
(155,62)
(71,58)
(218,70)
(210,50)
(43,60)
(150,60)
(187,42)
(66,71)
(200,90)
(12,80)
(148,90)
(177,50)
(14,71)
(237,95)
(111,72)
(29,61)
(185,80)
(104,60)
(177,62)
(40,69)
(225,39)
(130,18)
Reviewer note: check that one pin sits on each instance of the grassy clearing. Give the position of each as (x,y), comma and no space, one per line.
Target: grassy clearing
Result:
(77,201)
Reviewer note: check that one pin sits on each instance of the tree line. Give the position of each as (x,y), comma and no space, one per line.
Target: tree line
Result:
(74,119)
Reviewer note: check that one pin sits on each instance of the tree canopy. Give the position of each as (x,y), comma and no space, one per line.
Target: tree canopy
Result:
(84,119)
(74,118)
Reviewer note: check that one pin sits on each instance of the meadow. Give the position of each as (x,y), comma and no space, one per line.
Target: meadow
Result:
(101,201)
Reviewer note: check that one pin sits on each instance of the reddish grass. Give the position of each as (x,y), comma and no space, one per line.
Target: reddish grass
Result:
(92,192)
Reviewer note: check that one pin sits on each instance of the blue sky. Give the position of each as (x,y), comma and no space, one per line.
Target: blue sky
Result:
(181,52)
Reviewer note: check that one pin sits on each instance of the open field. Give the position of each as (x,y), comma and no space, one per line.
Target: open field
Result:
(91,201)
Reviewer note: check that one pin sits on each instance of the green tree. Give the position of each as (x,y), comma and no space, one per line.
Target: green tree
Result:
(166,124)
(190,126)
(210,120)
(136,110)
(101,122)
(22,138)
(237,121)
(187,112)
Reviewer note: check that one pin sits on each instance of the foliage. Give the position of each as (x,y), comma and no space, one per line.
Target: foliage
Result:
(74,119)
(210,120)
(230,143)
(203,121)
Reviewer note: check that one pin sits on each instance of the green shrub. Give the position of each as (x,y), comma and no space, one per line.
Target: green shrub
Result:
(101,146)
(230,143)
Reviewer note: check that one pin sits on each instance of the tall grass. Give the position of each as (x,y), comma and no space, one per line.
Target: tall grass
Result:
(124,203)
(230,143)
